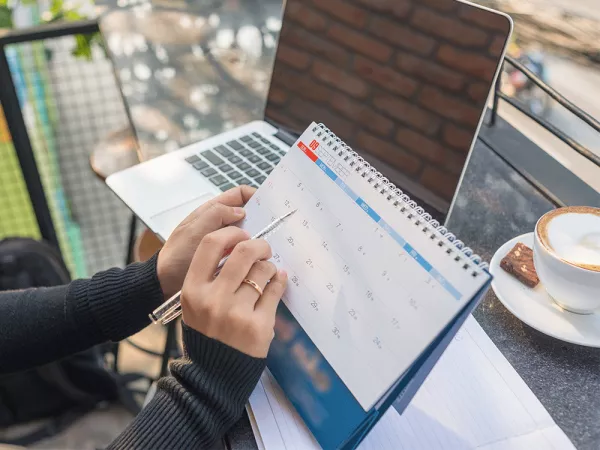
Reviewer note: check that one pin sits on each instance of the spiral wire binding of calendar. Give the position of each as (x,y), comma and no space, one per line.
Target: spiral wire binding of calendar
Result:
(454,247)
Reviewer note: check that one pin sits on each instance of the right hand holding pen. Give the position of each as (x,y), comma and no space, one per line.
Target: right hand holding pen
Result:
(225,307)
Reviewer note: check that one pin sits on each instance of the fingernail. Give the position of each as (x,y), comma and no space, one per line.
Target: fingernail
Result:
(282,273)
(239,211)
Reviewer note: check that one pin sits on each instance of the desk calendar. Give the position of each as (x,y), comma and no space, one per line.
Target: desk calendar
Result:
(376,288)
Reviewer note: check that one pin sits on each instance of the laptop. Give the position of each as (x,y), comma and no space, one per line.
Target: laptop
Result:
(404,83)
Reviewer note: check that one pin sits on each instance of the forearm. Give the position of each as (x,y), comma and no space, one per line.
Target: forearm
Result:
(42,325)
(202,399)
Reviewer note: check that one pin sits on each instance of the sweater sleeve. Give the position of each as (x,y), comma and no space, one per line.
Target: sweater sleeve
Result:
(41,325)
(204,396)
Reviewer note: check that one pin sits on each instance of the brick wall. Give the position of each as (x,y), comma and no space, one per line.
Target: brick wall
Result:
(403,80)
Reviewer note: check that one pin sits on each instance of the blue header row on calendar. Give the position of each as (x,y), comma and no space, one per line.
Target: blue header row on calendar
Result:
(308,151)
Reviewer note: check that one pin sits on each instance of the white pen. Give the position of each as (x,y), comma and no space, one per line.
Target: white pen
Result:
(171,309)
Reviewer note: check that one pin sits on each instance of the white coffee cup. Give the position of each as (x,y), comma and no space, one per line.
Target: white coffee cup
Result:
(566,253)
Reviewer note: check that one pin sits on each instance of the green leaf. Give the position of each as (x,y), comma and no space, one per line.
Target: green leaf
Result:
(5,17)
(83,47)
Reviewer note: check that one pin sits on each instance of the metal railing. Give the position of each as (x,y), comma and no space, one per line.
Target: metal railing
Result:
(16,122)
(556,96)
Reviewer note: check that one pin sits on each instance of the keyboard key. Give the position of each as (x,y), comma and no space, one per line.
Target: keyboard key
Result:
(218,180)
(234,175)
(246,139)
(252,173)
(235,145)
(208,172)
(225,168)
(226,187)
(234,159)
(260,179)
(212,157)
(243,165)
(245,152)
(268,171)
(281,152)
(254,159)
(262,150)
(243,181)
(274,147)
(254,144)
(264,165)
(200,165)
(266,141)
(256,135)
(192,159)
(272,157)
(221,149)
(253,185)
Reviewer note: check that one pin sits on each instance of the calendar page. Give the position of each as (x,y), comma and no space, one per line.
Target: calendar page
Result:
(369,287)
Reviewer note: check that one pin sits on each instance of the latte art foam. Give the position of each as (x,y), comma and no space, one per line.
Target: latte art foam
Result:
(573,234)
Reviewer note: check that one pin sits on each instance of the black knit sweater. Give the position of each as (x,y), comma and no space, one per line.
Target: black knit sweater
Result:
(207,389)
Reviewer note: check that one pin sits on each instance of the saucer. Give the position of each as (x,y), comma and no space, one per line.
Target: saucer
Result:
(537,309)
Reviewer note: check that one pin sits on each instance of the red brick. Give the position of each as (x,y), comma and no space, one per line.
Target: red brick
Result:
(296,58)
(397,8)
(454,162)
(448,106)
(360,113)
(458,138)
(340,9)
(311,111)
(449,28)
(407,113)
(306,16)
(442,183)
(401,36)
(297,37)
(340,79)
(497,46)
(420,145)
(385,77)
(360,42)
(282,115)
(300,84)
(277,95)
(479,92)
(440,5)
(431,150)
(471,63)
(484,19)
(430,71)
(389,153)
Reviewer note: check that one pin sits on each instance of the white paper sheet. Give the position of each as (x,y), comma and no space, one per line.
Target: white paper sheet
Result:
(473,399)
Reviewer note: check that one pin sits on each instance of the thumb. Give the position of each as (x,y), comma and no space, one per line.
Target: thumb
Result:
(220,215)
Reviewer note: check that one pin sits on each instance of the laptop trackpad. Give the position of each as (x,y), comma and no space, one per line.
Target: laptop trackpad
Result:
(165,222)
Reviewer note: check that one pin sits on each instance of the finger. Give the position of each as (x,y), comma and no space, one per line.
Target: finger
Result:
(237,196)
(243,256)
(211,250)
(261,272)
(267,303)
(234,198)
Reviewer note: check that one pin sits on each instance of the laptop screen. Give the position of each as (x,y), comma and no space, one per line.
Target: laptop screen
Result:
(402,82)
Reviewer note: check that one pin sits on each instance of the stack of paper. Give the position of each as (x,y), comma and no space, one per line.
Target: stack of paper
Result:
(473,399)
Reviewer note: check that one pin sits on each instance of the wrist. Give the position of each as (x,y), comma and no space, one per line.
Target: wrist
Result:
(235,371)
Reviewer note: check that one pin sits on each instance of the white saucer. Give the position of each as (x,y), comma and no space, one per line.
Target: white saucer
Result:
(537,309)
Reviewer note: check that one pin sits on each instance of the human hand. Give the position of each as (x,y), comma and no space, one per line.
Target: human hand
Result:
(176,255)
(224,307)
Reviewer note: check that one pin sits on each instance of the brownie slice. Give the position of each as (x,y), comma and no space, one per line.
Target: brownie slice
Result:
(519,263)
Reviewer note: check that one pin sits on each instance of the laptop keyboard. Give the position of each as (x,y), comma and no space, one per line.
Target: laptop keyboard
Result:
(246,160)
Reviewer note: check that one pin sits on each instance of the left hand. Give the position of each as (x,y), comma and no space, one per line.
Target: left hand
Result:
(176,256)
